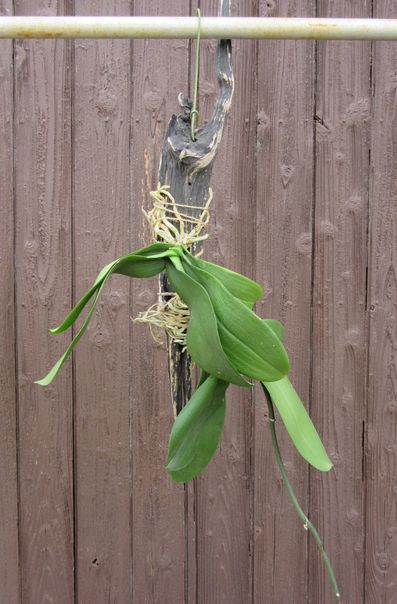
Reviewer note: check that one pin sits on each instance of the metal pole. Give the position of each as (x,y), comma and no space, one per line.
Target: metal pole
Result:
(186,27)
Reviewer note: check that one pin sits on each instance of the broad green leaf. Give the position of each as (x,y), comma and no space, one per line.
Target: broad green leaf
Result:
(197,431)
(249,343)
(203,341)
(147,263)
(276,326)
(240,286)
(156,248)
(131,266)
(139,266)
(298,423)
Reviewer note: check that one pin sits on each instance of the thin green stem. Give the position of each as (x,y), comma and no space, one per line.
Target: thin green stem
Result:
(194,114)
(291,493)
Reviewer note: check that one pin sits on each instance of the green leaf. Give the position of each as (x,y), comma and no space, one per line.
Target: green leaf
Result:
(77,309)
(147,262)
(158,248)
(53,372)
(249,343)
(240,286)
(139,266)
(197,431)
(203,341)
(298,423)
(276,326)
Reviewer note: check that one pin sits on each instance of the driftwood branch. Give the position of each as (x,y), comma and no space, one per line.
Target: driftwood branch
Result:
(186,167)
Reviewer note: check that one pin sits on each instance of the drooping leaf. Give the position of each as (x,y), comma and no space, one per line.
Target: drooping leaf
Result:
(77,309)
(45,381)
(249,343)
(203,341)
(147,263)
(240,286)
(298,423)
(295,417)
(197,431)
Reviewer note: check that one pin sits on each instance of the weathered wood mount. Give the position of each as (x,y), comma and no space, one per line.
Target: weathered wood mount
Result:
(186,167)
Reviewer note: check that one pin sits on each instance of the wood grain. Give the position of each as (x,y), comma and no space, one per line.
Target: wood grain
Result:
(284,138)
(232,536)
(224,564)
(339,319)
(9,555)
(43,295)
(381,466)
(101,233)
(160,533)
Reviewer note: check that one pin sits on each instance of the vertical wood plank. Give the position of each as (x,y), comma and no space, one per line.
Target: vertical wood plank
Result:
(284,257)
(223,508)
(43,295)
(160,529)
(101,233)
(339,321)
(381,468)
(9,555)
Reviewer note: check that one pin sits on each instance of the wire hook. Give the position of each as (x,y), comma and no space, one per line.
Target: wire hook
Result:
(194,114)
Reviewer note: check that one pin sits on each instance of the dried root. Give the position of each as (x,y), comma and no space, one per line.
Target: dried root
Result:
(169,222)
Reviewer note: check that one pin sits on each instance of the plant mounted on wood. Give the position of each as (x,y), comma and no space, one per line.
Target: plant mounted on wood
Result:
(226,339)
(230,344)
(213,321)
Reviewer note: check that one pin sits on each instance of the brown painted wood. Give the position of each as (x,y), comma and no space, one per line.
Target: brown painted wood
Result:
(9,555)
(160,534)
(223,507)
(101,114)
(381,469)
(234,538)
(339,320)
(284,194)
(43,295)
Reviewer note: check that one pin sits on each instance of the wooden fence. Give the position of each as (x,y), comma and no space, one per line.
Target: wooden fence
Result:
(305,191)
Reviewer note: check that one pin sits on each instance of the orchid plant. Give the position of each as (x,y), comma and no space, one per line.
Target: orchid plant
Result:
(231,345)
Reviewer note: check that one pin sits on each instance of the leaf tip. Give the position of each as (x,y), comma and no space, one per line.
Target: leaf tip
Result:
(174,475)
(327,466)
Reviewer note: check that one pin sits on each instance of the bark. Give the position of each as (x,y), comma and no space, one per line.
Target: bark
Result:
(186,166)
